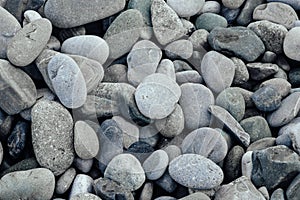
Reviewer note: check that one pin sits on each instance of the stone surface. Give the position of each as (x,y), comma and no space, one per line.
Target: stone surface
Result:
(166,67)
(262,144)
(167,183)
(199,38)
(17,139)
(190,76)
(282,86)
(294,3)
(245,16)
(209,21)
(233,4)
(278,194)
(247,164)
(211,7)
(291,44)
(83,165)
(116,74)
(1,153)
(233,163)
(230,14)
(186,8)
(81,184)
(179,49)
(85,196)
(156,164)
(241,72)
(196,196)
(173,151)
(259,71)
(26,164)
(65,181)
(293,190)
(147,191)
(52,136)
(266,99)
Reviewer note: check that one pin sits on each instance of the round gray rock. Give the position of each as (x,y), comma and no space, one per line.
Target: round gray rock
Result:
(282,86)
(179,49)
(85,196)
(209,21)
(173,151)
(81,184)
(65,181)
(186,8)
(291,44)
(156,164)
(233,4)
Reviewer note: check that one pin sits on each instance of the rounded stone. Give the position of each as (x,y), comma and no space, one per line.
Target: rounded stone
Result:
(278,194)
(233,4)
(86,143)
(89,46)
(173,151)
(156,164)
(199,38)
(262,144)
(260,71)
(209,21)
(266,99)
(282,86)
(233,163)
(67,81)
(241,75)
(65,181)
(116,73)
(83,165)
(179,49)
(126,170)
(186,8)
(166,67)
(211,7)
(195,171)
(81,184)
(291,44)
(190,76)
(85,196)
(293,190)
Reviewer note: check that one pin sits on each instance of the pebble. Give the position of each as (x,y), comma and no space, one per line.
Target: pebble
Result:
(179,49)
(294,3)
(259,71)
(294,77)
(53,43)
(29,42)
(65,181)
(199,38)
(157,95)
(240,41)
(147,191)
(262,144)
(61,14)
(67,33)
(126,170)
(83,165)
(247,164)
(245,16)
(199,95)
(8,28)
(144,6)
(139,68)
(124,32)
(206,142)
(86,143)
(282,86)
(166,67)
(149,134)
(116,73)
(1,153)
(190,76)
(196,196)
(81,184)
(206,174)
(167,26)
(230,14)
(39,182)
(211,7)
(17,139)
(269,57)
(67,81)
(172,125)
(89,46)
(233,4)
(85,196)
(217,71)
(141,150)
(273,166)
(241,72)
(167,183)
(209,21)
(232,163)
(186,8)
(26,164)
(30,16)
(291,43)
(264,191)
(270,33)
(241,188)
(286,112)
(17,90)
(293,189)
(173,151)
(52,136)
(181,66)
(156,164)
(278,194)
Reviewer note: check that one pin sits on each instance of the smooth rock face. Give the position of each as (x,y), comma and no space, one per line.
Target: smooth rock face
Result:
(279,13)
(17,90)
(89,46)
(190,76)
(209,21)
(240,41)
(232,4)
(186,8)
(9,27)
(232,163)
(167,26)
(278,194)
(291,44)
(64,182)
(217,71)
(126,170)
(67,81)
(266,99)
(29,42)
(37,183)
(259,71)
(52,136)
(206,173)
(293,190)
(156,164)
(179,49)
(282,86)
(61,14)
(81,184)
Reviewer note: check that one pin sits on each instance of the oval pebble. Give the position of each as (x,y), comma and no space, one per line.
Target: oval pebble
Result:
(65,181)
(85,196)
(291,44)
(166,67)
(209,21)
(186,8)
(206,174)
(81,184)
(156,164)
(179,49)
(282,86)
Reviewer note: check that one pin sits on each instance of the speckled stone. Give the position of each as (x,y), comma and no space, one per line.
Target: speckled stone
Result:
(291,44)
(293,189)
(245,16)
(211,7)
(199,38)
(167,183)
(65,181)
(156,164)
(233,4)
(259,71)
(173,151)
(266,99)
(83,165)
(262,144)
(147,192)
(186,8)
(81,184)
(116,73)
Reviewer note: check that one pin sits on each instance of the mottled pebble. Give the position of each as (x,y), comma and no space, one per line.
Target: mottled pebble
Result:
(167,183)
(199,38)
(65,181)
(186,8)
(179,49)
(156,164)
(241,72)
(211,7)
(233,4)
(83,165)
(85,196)
(245,16)
(278,194)
(17,139)
(166,67)
(173,151)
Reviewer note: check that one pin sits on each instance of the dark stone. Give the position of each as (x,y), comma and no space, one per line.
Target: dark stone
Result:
(245,17)
(17,139)
(166,182)
(26,164)
(230,14)
(141,150)
(294,77)
(232,165)
(5,124)
(293,190)
(266,99)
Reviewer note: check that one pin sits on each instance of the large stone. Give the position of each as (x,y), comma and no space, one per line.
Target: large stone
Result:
(291,44)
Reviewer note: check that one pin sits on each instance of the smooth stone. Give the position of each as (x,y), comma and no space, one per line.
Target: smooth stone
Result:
(81,184)
(294,3)
(270,33)
(164,32)
(232,163)
(141,150)
(85,196)
(86,143)
(17,90)
(186,8)
(65,181)
(199,38)
(67,81)
(166,67)
(206,142)
(291,44)
(241,188)
(26,164)
(167,183)
(262,144)
(138,68)
(245,16)
(149,134)
(9,27)
(147,191)
(30,16)
(269,57)
(83,165)
(1,153)
(286,112)
(211,7)
(196,196)
(199,95)
(179,49)
(209,21)
(181,65)
(124,32)
(240,41)
(188,26)
(144,6)
(278,194)
(228,121)
(247,165)
(157,95)
(16,141)
(89,46)
(67,33)
(274,166)
(53,43)
(230,14)
(288,136)
(279,13)
(241,72)
(165,198)
(173,124)
(292,192)
(173,151)
(266,99)
(233,101)
(259,71)
(126,170)
(190,76)
(61,14)
(264,191)
(281,74)
(294,75)
(156,164)
(233,4)
(206,174)
(282,86)
(29,42)
(52,136)
(116,73)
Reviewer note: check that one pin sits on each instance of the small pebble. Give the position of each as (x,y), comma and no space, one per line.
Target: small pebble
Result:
(166,67)
(156,164)
(282,86)
(233,4)
(173,151)
(211,7)
(190,76)
(247,165)
(245,16)
(291,44)
(81,184)
(209,21)
(241,72)
(65,181)
(186,8)
(179,49)
(260,71)
(278,194)
(17,140)
(262,144)
(167,183)
(83,165)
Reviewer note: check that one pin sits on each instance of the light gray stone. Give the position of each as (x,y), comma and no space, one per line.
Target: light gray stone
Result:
(156,164)
(186,8)
(166,67)
(241,72)
(211,7)
(199,38)
(233,4)
(278,194)
(190,76)
(291,44)
(173,151)
(65,181)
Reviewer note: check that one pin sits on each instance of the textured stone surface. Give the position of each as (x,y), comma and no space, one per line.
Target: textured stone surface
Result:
(241,72)
(259,71)
(186,8)
(156,164)
(17,139)
(282,86)
(232,163)
(65,181)
(81,184)
(266,99)
(85,196)
(179,49)
(291,44)
(293,190)
(233,4)
(245,16)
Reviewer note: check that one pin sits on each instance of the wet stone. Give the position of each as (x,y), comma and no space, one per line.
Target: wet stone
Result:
(65,181)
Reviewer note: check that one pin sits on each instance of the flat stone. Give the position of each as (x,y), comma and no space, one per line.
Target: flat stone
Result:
(186,8)
(195,100)
(65,181)
(245,16)
(167,183)
(233,163)
(89,46)
(166,67)
(83,165)
(294,3)
(116,73)
(179,49)
(39,183)
(17,91)
(186,166)
(61,14)
(156,164)
(81,184)
(240,41)
(209,21)
(278,194)
(262,144)
(85,196)
(167,26)
(29,42)
(126,170)
(282,86)
(17,139)
(259,71)
(291,44)
(52,136)
(217,71)
(190,76)
(67,81)
(241,72)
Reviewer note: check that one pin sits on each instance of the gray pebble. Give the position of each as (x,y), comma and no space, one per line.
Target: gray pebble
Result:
(65,181)
(149,134)
(245,16)
(83,165)
(282,86)
(190,76)
(156,164)
(281,74)
(233,4)
(259,71)
(53,43)
(30,16)
(1,153)
(291,42)
(264,191)
(247,165)
(232,163)
(293,190)
(167,183)
(173,151)
(262,144)
(166,67)
(294,3)
(241,72)
(144,6)
(16,142)
(147,191)
(116,73)
(181,65)
(186,8)
(211,7)
(196,196)
(52,136)
(209,21)
(278,194)
(81,184)
(206,174)
(26,164)
(247,96)
(269,57)
(179,49)
(85,196)
(199,38)
(230,14)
